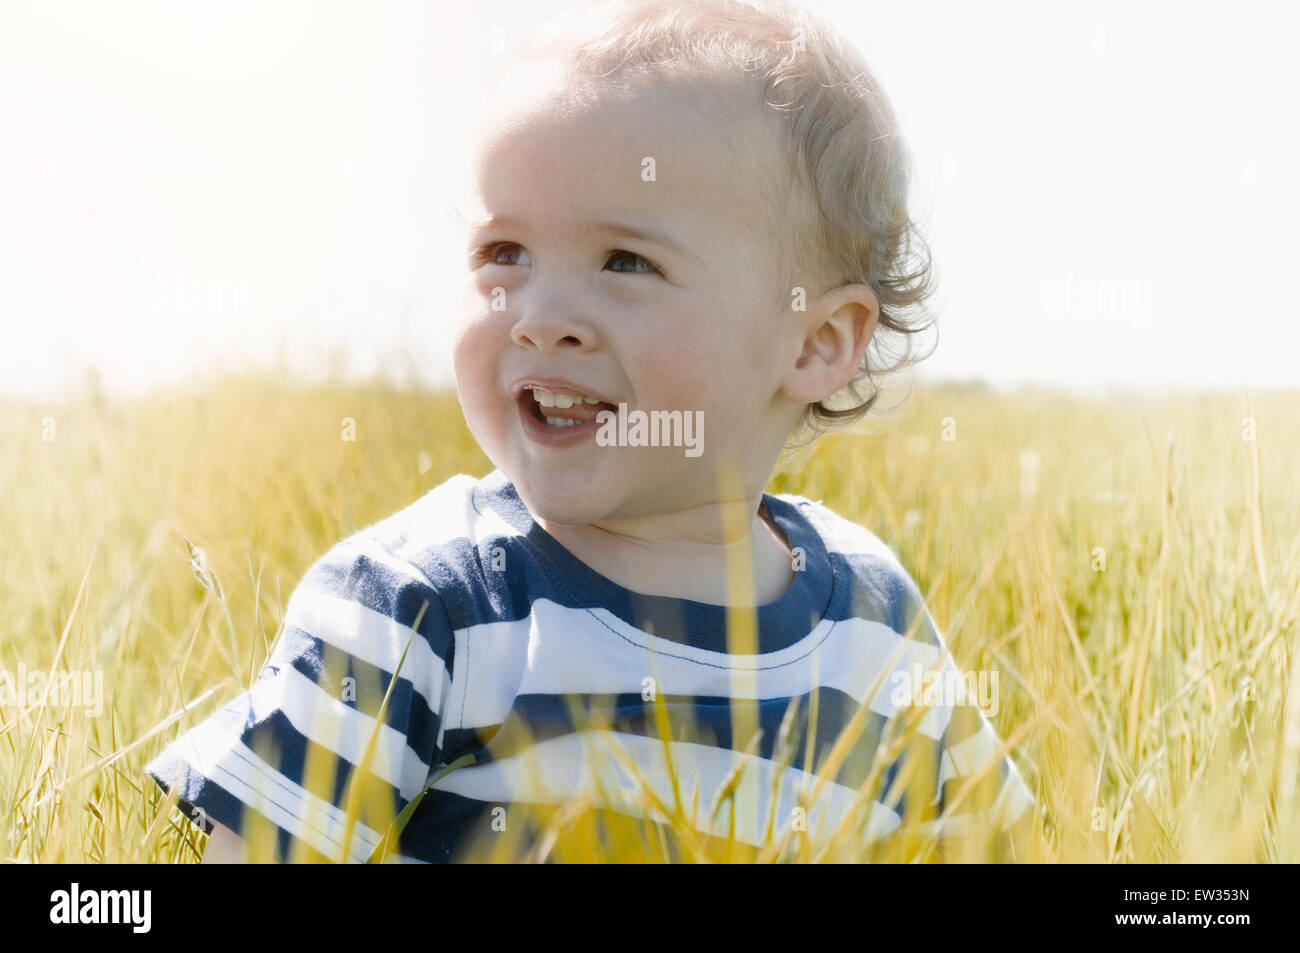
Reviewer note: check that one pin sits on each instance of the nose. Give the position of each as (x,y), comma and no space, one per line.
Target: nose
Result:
(549,328)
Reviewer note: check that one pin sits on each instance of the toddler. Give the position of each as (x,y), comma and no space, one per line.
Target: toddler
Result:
(689,251)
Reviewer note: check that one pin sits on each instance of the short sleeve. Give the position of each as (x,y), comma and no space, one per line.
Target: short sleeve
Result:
(282,763)
(970,743)
(971,790)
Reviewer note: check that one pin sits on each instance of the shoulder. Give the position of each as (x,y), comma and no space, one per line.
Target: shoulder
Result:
(373,570)
(843,535)
(442,546)
(385,615)
(442,515)
(881,588)
(437,528)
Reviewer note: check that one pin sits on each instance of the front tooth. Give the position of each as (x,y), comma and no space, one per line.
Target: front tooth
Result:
(544,397)
(563,401)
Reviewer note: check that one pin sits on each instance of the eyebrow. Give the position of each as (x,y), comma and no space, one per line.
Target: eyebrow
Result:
(608,227)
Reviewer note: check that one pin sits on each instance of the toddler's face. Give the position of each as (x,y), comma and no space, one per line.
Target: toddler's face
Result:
(691,320)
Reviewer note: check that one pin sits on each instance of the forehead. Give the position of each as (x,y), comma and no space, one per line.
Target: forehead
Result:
(553,148)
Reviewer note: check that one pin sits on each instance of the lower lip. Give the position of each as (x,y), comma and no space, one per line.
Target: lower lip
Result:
(542,432)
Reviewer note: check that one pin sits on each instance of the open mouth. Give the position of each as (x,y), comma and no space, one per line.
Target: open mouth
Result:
(578,418)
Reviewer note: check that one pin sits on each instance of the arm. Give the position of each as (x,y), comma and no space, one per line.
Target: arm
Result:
(996,801)
(270,759)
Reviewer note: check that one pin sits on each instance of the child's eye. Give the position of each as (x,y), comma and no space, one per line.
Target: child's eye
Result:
(652,270)
(490,254)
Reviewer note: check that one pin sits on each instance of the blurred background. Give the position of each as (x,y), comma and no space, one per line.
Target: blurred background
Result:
(1108,188)
(204,207)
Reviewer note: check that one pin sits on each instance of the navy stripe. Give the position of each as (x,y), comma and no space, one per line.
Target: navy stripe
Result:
(327,665)
(378,588)
(877,593)
(451,828)
(443,824)
(196,791)
(204,802)
(708,720)
(569,581)
(458,742)
(276,742)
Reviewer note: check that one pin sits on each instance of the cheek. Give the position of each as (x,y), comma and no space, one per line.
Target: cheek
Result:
(683,371)
(475,353)
(669,371)
(466,322)
(478,332)
(707,348)
(467,344)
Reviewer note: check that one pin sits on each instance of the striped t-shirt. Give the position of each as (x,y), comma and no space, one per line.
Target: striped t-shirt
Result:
(492,627)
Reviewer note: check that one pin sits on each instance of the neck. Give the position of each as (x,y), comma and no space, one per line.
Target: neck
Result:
(722,553)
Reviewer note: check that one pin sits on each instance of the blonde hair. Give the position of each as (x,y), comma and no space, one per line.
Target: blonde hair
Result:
(845,150)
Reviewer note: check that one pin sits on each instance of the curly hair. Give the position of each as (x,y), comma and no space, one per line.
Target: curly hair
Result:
(849,169)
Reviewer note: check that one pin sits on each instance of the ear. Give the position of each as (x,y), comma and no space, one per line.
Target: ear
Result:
(839,325)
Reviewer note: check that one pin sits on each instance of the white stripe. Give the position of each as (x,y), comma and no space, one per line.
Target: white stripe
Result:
(340,728)
(1011,802)
(490,524)
(557,650)
(489,661)
(370,636)
(443,515)
(1014,799)
(374,550)
(969,755)
(456,522)
(429,533)
(445,508)
(555,770)
(219,755)
(442,721)
(965,757)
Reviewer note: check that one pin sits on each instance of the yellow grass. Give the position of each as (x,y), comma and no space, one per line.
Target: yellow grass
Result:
(1153,705)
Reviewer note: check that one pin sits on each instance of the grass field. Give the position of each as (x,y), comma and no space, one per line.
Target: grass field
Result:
(1130,567)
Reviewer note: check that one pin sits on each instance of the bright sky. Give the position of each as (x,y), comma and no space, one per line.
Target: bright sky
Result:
(1109,188)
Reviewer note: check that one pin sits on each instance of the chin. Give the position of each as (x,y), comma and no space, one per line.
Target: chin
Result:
(569,506)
